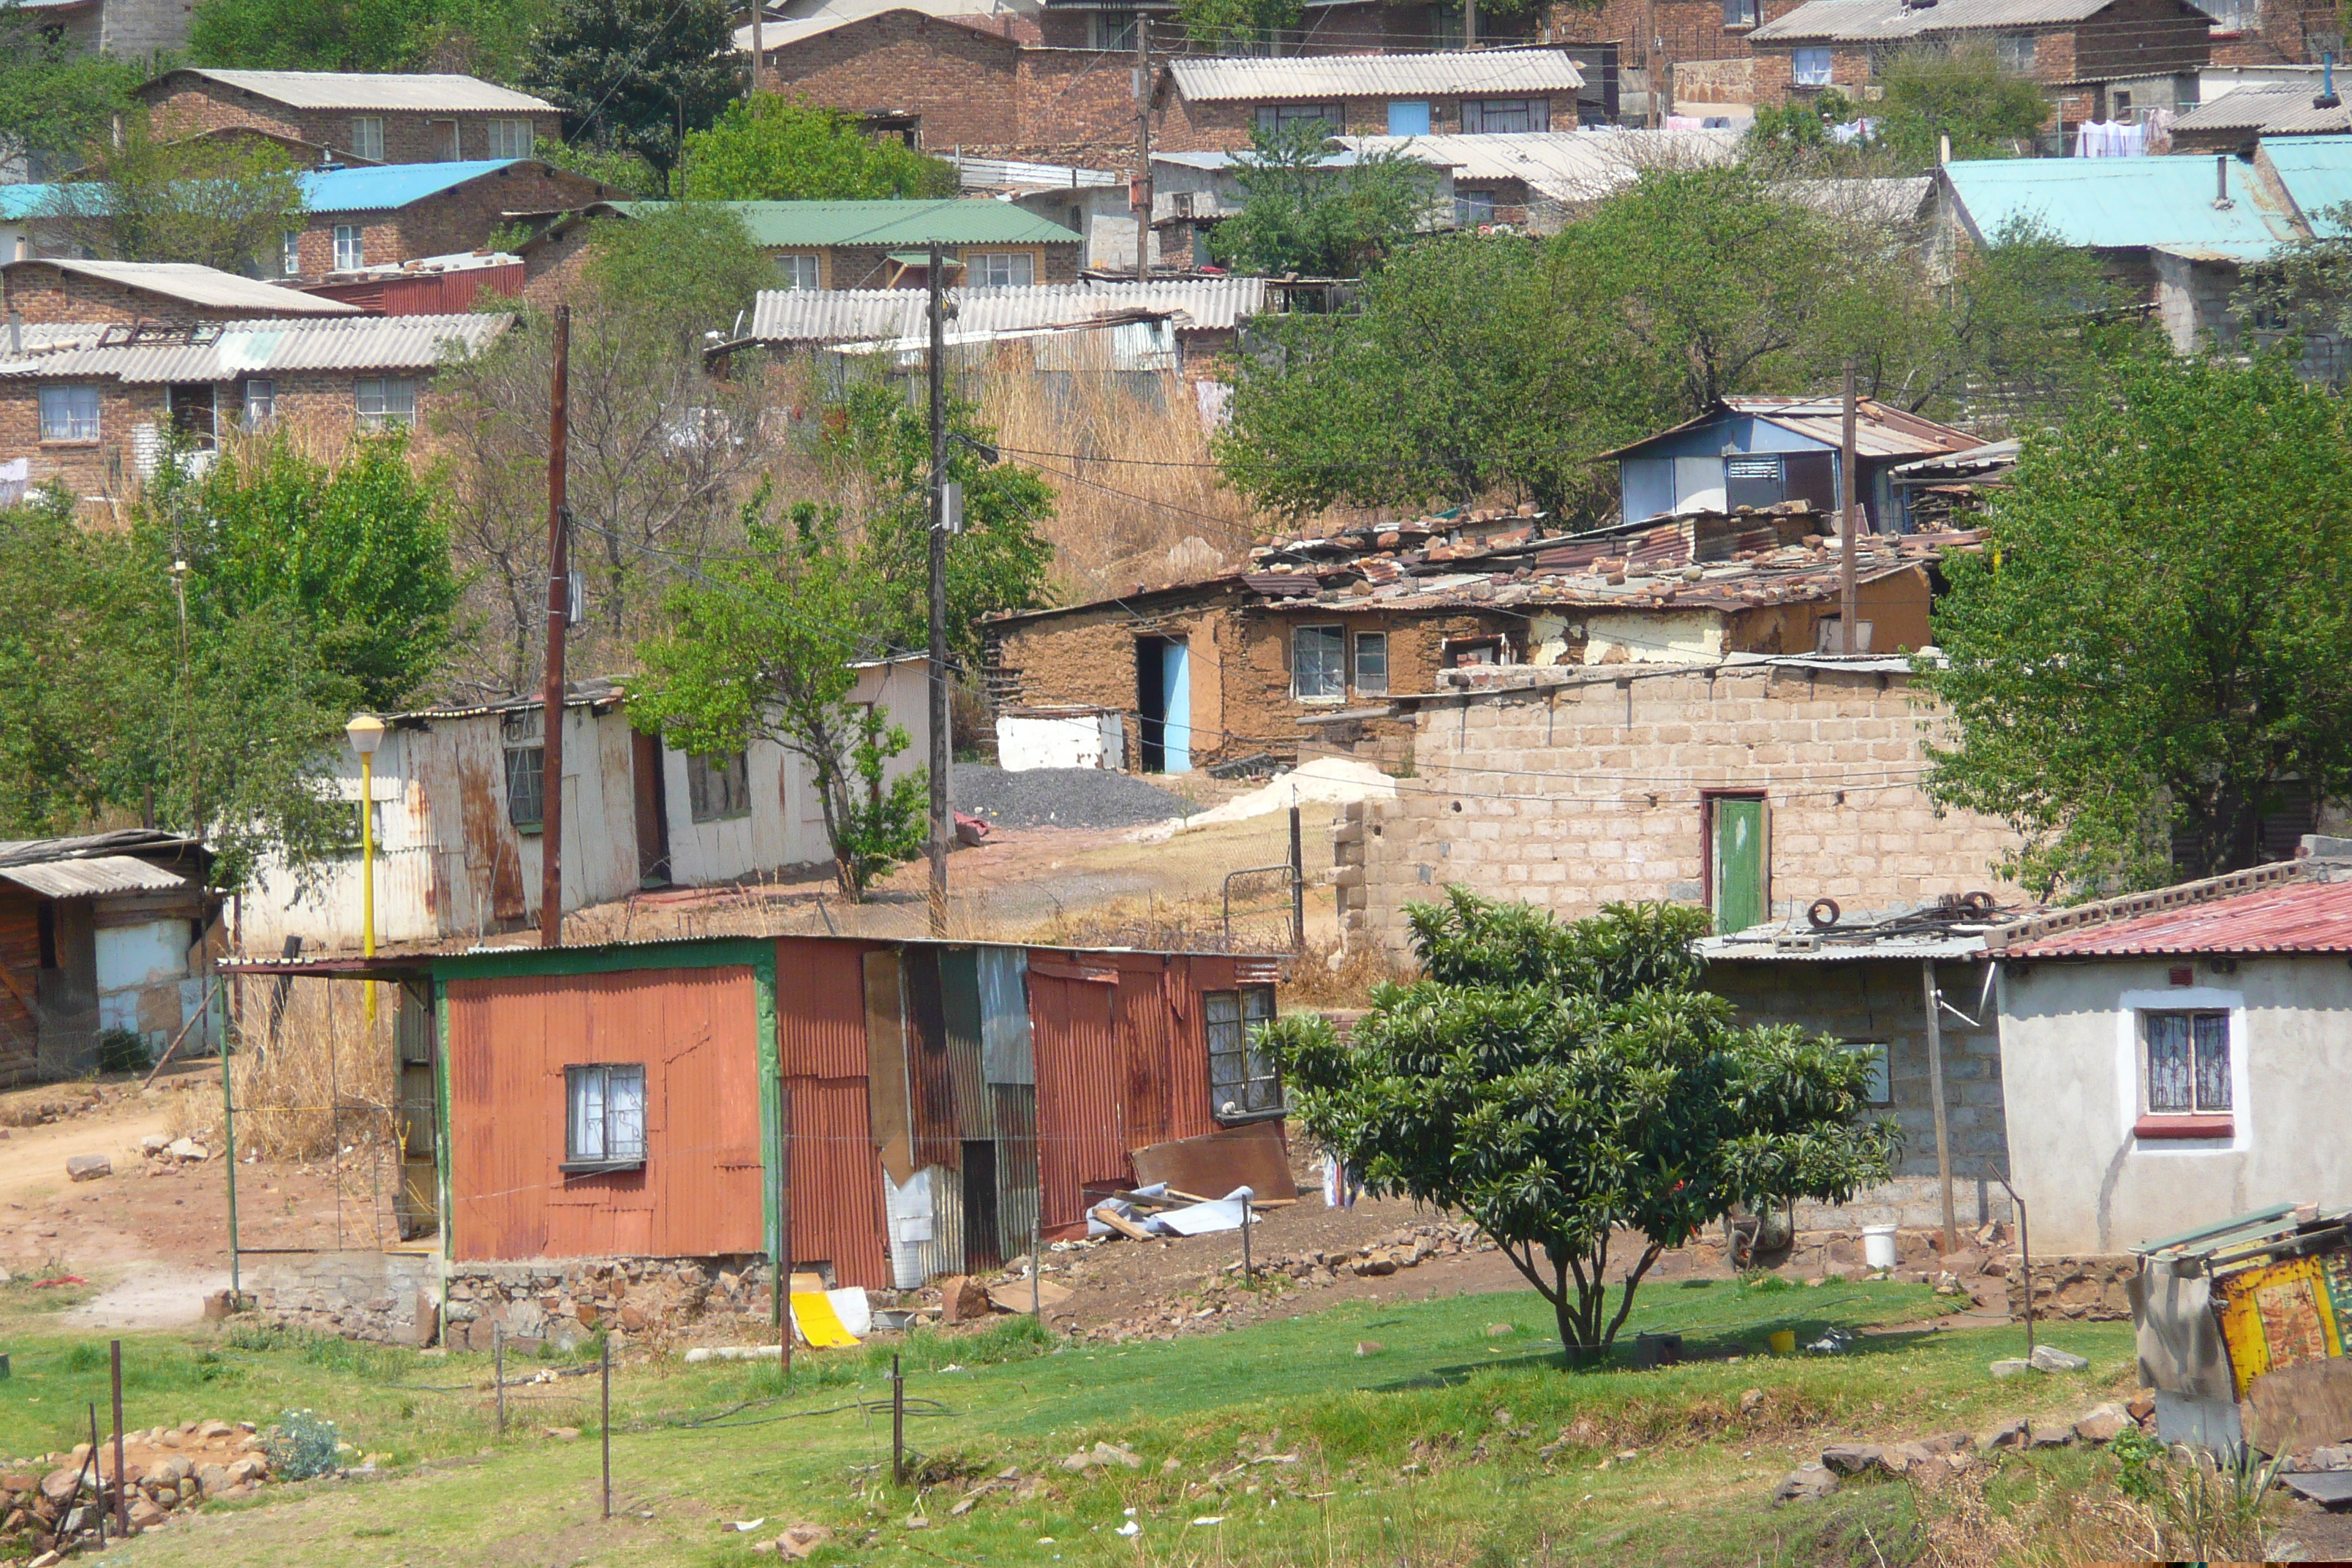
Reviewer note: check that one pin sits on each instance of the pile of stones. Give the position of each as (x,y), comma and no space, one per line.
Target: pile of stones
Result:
(1927,1459)
(169,1468)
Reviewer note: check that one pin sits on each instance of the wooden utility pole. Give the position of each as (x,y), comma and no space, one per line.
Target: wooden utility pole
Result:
(784,1228)
(1848,517)
(1656,115)
(1936,1099)
(1469,24)
(942,825)
(559,614)
(1142,148)
(759,56)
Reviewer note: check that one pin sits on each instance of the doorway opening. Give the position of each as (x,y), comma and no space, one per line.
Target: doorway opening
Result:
(983,1248)
(1163,704)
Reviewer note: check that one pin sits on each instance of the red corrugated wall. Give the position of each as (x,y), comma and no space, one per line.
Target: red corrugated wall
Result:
(510,1040)
(1081,1081)
(821,1048)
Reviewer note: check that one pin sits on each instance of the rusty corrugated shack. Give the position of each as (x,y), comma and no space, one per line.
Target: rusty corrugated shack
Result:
(915,1107)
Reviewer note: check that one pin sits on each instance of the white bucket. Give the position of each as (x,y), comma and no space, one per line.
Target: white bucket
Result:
(1878,1246)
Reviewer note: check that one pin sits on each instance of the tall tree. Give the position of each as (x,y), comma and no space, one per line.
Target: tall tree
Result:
(638,75)
(1235,26)
(1965,93)
(142,199)
(475,38)
(1309,211)
(774,149)
(54,98)
(2156,642)
(1572,1090)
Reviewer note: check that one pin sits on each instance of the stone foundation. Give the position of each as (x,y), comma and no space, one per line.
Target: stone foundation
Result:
(2079,1289)
(394,1297)
(1913,1203)
(560,1301)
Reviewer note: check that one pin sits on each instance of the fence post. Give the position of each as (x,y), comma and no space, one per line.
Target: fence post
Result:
(1297,888)
(122,1476)
(499,1367)
(897,1425)
(606,1423)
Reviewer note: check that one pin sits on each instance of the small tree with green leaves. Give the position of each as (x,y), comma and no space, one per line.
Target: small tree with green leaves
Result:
(1966,93)
(759,647)
(637,76)
(1235,26)
(1307,210)
(2157,641)
(54,98)
(1571,1090)
(776,150)
(143,198)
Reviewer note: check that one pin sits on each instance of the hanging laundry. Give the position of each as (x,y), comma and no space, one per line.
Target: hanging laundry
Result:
(1340,1183)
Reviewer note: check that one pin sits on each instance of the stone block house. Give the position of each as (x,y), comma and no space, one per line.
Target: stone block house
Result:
(95,409)
(1213,104)
(147,294)
(1308,647)
(374,117)
(2094,58)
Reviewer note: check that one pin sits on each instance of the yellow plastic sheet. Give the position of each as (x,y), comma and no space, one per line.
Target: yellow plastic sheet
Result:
(819,1324)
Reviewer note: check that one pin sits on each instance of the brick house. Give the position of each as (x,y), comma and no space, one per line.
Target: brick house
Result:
(127,30)
(94,411)
(147,293)
(2269,32)
(1215,103)
(360,218)
(2093,57)
(1303,649)
(847,245)
(1702,46)
(379,118)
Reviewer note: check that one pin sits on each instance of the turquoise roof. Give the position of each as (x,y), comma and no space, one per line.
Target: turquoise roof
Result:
(893,225)
(327,190)
(2117,203)
(2316,172)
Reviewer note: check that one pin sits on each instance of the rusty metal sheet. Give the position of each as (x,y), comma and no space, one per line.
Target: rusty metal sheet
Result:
(960,1007)
(1081,1106)
(836,1182)
(930,1086)
(821,1007)
(886,1055)
(1211,1166)
(2302,1407)
(1016,1164)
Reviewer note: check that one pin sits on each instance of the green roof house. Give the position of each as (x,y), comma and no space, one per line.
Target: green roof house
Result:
(852,245)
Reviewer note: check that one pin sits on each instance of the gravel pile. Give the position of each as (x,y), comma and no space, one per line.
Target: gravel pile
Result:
(1061,797)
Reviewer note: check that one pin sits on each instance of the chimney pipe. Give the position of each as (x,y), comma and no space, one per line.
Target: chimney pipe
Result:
(2222,181)
(2327,98)
(16,332)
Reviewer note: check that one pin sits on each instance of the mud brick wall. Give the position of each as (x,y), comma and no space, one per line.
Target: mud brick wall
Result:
(559,1302)
(2089,1289)
(394,1297)
(1570,789)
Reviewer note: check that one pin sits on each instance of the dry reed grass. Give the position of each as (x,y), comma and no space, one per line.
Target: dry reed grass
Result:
(323,1079)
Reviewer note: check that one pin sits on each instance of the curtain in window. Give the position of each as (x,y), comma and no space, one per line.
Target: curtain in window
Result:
(624,1114)
(2212,1040)
(587,1115)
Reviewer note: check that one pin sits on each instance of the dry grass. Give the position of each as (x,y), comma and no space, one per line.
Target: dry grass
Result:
(322,1081)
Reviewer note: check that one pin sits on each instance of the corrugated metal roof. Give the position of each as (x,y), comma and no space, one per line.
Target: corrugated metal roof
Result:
(1859,21)
(1764,945)
(777,34)
(2300,916)
(244,348)
(2239,252)
(995,173)
(368,89)
(2265,109)
(891,225)
(2117,203)
(858,315)
(89,846)
(1879,430)
(1566,165)
(89,878)
(2318,173)
(204,285)
(1475,72)
(391,186)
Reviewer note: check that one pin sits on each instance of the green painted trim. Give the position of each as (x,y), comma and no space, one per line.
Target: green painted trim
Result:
(508,963)
(772,1094)
(441,1140)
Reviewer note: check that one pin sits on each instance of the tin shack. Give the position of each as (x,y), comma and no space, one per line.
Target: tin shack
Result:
(642,1130)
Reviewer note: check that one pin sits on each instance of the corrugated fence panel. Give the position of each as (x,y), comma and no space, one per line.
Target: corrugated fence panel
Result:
(930,1085)
(510,1041)
(20,966)
(1081,1083)
(1191,1112)
(1017,1165)
(975,1117)
(1004,1017)
(836,1182)
(821,1007)
(1143,1046)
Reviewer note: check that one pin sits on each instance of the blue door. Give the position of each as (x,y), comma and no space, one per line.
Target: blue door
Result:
(1176,705)
(1408,117)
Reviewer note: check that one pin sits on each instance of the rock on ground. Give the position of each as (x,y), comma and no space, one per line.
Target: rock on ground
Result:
(2050,1358)
(2101,1423)
(1805,1483)
(88,1167)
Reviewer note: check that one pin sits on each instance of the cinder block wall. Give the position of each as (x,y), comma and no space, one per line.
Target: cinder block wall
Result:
(1570,790)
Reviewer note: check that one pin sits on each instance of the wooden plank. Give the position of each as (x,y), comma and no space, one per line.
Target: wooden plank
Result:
(2302,1406)
(1126,1228)
(1251,1156)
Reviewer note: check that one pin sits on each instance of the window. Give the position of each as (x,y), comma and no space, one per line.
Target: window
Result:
(718,786)
(1738,12)
(351,252)
(798,271)
(1810,68)
(1274,116)
(290,253)
(385,400)
(1408,117)
(68,414)
(1445,26)
(367,138)
(441,136)
(605,1124)
(1002,270)
(1243,1080)
(1504,116)
(1318,666)
(1372,663)
(2188,1063)
(510,139)
(1829,634)
(260,401)
(526,787)
(1878,1091)
(1472,209)
(1115,29)
(2015,51)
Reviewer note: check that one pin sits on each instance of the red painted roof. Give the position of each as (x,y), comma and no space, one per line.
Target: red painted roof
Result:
(2295,917)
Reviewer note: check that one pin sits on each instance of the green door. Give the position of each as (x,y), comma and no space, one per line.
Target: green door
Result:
(1739,864)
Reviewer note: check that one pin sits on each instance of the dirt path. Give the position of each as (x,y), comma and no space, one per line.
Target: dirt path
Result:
(33,1159)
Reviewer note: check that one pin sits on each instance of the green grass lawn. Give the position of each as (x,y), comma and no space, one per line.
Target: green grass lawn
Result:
(1423,1452)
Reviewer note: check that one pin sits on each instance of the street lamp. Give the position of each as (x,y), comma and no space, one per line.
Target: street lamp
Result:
(366,732)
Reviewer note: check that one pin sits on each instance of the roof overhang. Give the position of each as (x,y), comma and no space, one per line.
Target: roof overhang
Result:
(94,877)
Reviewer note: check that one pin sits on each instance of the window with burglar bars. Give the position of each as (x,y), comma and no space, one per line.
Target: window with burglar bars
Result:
(1506,116)
(1243,1080)
(606,1127)
(1738,12)
(1277,117)
(526,787)
(2188,1062)
(1319,663)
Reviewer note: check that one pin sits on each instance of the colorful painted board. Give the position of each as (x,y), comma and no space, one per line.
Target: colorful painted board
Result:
(2277,1316)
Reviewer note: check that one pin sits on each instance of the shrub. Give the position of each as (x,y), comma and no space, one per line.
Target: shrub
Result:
(301,1446)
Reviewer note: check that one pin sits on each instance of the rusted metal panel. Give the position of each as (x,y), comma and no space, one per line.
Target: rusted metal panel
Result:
(1192,1111)
(821,1007)
(1004,1017)
(886,1055)
(960,1009)
(694,1030)
(1081,1084)
(1143,1046)
(20,960)
(1016,1164)
(837,1182)
(930,1086)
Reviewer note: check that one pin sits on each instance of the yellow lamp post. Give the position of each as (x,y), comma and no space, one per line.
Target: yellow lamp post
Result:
(366,732)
